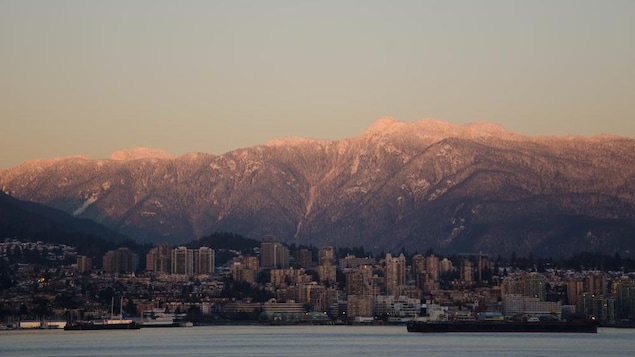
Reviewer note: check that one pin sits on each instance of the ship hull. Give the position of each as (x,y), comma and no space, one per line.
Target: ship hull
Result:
(154,324)
(93,326)
(478,326)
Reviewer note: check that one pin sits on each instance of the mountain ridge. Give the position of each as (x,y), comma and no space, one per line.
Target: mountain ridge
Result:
(420,185)
(30,221)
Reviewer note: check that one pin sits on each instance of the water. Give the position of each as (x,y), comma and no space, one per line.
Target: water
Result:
(367,341)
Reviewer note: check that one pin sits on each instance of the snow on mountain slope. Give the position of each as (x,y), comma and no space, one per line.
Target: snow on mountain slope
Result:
(419,185)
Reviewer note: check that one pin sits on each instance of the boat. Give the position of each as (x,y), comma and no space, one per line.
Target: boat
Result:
(103,324)
(162,318)
(582,326)
(112,323)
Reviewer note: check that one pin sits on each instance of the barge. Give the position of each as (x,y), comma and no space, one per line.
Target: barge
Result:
(583,326)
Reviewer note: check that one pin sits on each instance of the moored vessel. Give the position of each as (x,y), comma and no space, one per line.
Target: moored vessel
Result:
(104,324)
(582,326)
(112,323)
(163,318)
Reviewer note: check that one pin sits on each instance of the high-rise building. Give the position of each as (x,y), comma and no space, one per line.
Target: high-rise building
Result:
(418,270)
(625,297)
(510,286)
(273,254)
(575,288)
(352,262)
(84,264)
(327,255)
(158,259)
(395,273)
(359,306)
(244,269)
(596,284)
(304,259)
(182,261)
(418,264)
(360,281)
(432,266)
(204,258)
(250,262)
(445,266)
(534,285)
(122,260)
(327,273)
(467,271)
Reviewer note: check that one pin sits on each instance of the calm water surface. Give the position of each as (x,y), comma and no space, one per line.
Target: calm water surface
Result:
(368,341)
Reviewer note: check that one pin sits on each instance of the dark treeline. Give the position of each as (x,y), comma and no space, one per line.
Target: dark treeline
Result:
(32,222)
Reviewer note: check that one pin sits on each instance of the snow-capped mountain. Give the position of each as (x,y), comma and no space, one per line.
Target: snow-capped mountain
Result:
(420,185)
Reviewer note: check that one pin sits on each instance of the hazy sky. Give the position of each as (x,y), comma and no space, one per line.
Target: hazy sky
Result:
(91,77)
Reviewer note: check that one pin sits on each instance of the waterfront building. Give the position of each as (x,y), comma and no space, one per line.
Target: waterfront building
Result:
(603,309)
(625,297)
(289,311)
(396,308)
(517,304)
(317,295)
(359,306)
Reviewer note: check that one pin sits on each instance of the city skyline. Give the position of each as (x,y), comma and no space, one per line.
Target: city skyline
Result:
(82,78)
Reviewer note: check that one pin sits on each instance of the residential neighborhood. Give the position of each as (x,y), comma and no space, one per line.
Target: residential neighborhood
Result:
(277,284)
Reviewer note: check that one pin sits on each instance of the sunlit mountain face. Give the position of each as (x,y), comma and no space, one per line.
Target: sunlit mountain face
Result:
(421,185)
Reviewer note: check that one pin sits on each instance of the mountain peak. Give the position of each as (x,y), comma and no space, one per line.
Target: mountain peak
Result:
(435,129)
(139,153)
(291,141)
(385,125)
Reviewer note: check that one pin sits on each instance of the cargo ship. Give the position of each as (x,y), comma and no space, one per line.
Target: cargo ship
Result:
(583,326)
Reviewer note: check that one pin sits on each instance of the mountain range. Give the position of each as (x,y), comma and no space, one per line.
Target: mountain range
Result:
(399,185)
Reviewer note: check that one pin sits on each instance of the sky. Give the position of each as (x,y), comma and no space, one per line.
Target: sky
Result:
(91,77)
